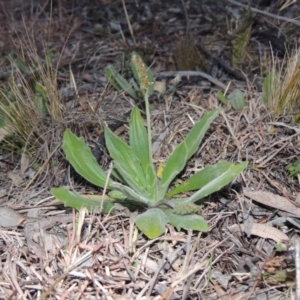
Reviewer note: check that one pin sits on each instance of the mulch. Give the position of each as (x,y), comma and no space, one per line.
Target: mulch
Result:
(104,256)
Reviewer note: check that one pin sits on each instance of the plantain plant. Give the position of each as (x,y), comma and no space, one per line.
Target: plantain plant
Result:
(134,178)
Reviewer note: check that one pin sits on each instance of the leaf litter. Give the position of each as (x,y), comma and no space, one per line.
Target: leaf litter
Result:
(105,257)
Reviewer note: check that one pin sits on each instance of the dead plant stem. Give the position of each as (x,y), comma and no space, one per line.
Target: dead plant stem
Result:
(265,13)
(128,22)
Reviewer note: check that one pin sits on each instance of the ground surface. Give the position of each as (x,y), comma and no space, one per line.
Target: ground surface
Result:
(105,257)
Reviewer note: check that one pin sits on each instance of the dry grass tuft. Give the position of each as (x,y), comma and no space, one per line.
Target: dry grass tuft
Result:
(30,101)
(187,55)
(282,89)
(242,34)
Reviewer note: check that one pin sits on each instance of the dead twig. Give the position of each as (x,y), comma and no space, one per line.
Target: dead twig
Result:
(265,13)
(194,73)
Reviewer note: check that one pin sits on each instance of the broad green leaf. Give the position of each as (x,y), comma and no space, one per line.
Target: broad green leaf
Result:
(144,197)
(117,176)
(125,161)
(196,134)
(217,183)
(173,167)
(194,222)
(130,193)
(152,183)
(80,156)
(71,199)
(138,138)
(177,161)
(133,182)
(152,222)
(222,98)
(140,146)
(237,99)
(119,82)
(201,178)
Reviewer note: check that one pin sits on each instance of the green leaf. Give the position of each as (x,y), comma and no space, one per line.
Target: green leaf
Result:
(195,136)
(126,162)
(173,167)
(194,222)
(40,98)
(152,186)
(201,178)
(21,66)
(177,161)
(268,86)
(222,98)
(237,99)
(2,123)
(39,102)
(119,82)
(139,143)
(71,199)
(217,183)
(294,168)
(130,193)
(138,138)
(80,156)
(152,222)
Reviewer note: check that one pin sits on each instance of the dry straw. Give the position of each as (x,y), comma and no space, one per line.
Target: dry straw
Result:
(282,90)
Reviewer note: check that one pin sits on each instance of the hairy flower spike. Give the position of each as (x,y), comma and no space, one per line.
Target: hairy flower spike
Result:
(140,71)
(186,209)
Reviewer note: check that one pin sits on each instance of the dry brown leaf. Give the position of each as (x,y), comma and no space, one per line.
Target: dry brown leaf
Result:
(221,293)
(273,264)
(15,177)
(176,80)
(264,231)
(24,163)
(10,218)
(40,237)
(3,192)
(275,201)
(160,86)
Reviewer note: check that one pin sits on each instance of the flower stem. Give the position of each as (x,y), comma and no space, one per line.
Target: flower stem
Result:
(148,126)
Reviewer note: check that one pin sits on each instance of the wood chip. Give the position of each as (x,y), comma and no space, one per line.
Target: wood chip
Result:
(264,231)
(10,218)
(275,201)
(15,177)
